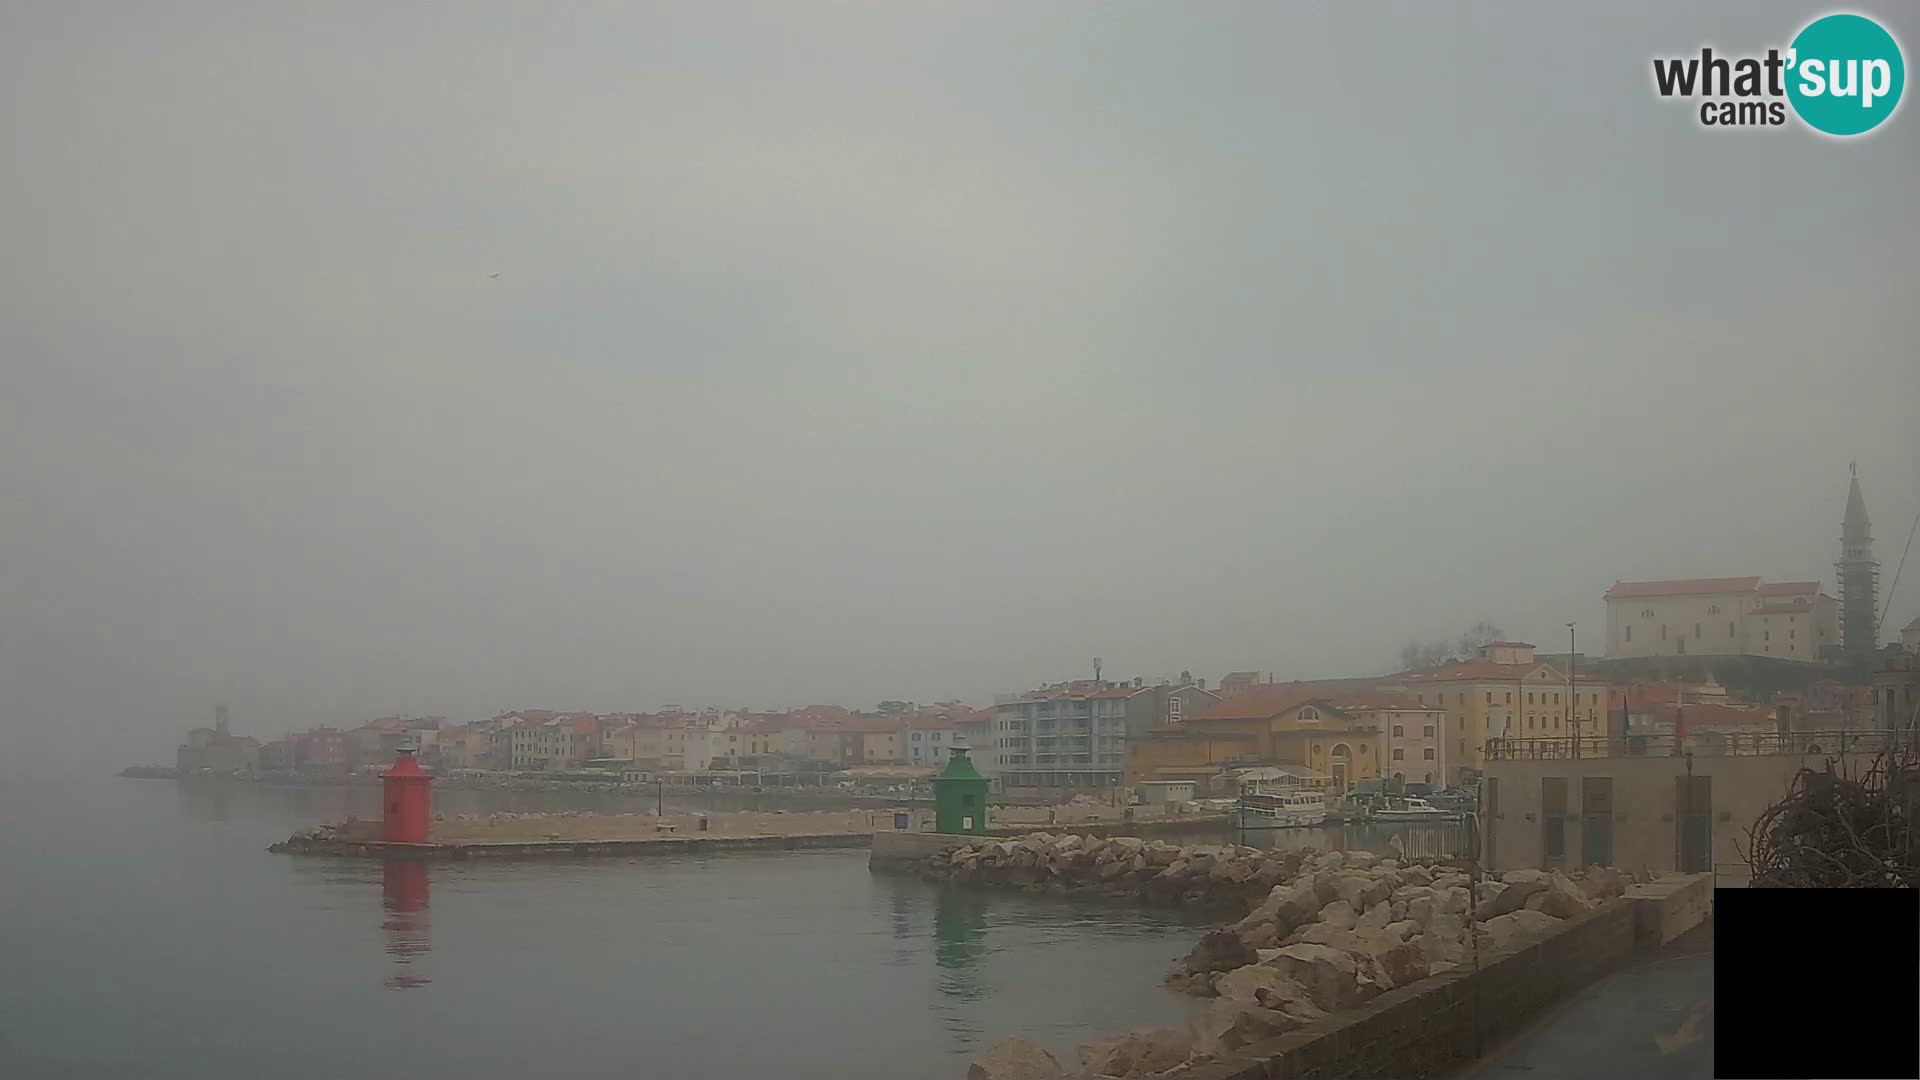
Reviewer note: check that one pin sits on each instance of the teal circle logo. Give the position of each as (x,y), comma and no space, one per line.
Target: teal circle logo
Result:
(1845,74)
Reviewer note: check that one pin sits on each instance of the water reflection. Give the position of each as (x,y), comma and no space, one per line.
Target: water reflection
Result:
(403,893)
(960,941)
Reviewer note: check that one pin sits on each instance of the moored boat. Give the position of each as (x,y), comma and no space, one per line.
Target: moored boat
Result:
(1281,809)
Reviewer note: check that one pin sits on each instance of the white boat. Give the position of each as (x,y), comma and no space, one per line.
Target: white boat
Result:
(1408,809)
(1282,809)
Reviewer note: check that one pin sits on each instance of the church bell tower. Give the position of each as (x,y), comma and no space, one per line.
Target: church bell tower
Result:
(1859,576)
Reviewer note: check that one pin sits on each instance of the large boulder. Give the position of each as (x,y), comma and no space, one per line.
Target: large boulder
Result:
(1136,1053)
(1361,859)
(1016,1059)
(1403,929)
(1452,900)
(1159,854)
(1221,950)
(1603,883)
(1340,913)
(1523,877)
(1199,984)
(1261,935)
(1328,973)
(1362,890)
(1375,918)
(1521,925)
(1230,1025)
(1561,899)
(1231,872)
(1420,910)
(1510,898)
(1403,962)
(1265,986)
(1444,941)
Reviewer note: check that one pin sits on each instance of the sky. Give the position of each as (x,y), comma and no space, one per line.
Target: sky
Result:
(363,358)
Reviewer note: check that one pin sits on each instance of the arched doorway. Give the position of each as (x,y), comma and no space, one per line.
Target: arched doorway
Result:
(1342,763)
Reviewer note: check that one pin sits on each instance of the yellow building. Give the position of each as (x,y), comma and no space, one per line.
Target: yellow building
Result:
(1266,723)
(1505,692)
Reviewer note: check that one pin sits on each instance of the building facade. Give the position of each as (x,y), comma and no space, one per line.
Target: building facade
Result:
(1737,616)
(1164,705)
(1270,724)
(1505,693)
(1064,736)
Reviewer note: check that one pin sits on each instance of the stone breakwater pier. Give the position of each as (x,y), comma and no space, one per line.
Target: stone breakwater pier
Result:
(581,835)
(1337,964)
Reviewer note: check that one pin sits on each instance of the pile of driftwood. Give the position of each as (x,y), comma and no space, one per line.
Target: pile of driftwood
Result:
(1842,827)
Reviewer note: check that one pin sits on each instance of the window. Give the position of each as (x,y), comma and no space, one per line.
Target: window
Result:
(1646,613)
(1713,609)
(1429,753)
(916,736)
(1399,731)
(1173,708)
(1766,635)
(1489,697)
(1629,631)
(1309,713)
(1663,631)
(1399,755)
(1462,699)
(1509,697)
(1529,722)
(1429,731)
(1790,634)
(1556,698)
(1529,697)
(1696,631)
(1729,629)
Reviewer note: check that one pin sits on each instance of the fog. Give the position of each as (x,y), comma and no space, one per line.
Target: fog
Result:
(843,351)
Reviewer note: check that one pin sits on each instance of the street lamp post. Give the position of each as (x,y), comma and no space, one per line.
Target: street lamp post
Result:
(1573,730)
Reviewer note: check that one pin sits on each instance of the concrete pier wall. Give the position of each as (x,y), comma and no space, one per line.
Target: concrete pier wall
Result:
(1431,1026)
(665,845)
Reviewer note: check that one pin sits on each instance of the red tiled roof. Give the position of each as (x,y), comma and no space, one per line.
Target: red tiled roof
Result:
(1623,590)
(1261,700)
(1477,670)
(1379,702)
(1789,588)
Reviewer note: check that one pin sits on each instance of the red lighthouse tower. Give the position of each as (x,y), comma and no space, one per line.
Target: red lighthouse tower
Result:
(406,800)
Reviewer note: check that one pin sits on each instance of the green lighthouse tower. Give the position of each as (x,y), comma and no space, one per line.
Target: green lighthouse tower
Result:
(960,796)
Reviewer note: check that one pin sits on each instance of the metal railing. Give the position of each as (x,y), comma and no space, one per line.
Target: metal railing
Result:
(1699,744)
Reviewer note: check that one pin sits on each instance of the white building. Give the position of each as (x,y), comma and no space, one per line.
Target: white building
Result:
(1739,616)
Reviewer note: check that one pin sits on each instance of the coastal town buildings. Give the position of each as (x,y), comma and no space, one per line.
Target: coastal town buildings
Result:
(217,749)
(1895,694)
(1504,692)
(1270,723)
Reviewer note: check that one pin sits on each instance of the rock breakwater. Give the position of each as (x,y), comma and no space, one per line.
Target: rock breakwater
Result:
(1320,933)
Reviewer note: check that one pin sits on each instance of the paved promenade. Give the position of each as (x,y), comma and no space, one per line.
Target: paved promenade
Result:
(1652,1020)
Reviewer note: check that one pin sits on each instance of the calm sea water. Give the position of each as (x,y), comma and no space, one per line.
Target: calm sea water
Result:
(145,931)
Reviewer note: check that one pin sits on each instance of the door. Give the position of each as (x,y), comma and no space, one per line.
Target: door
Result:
(1693,824)
(1553,821)
(1596,821)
